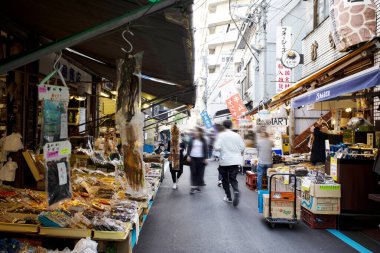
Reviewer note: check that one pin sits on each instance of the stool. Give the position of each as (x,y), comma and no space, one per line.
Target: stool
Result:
(251,180)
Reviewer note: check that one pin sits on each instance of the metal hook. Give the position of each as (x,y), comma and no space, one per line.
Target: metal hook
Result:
(55,67)
(126,40)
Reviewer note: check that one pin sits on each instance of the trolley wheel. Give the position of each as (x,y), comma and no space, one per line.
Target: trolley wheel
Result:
(272,225)
(291,226)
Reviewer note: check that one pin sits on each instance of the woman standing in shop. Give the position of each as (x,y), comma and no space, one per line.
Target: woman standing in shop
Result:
(318,153)
(197,157)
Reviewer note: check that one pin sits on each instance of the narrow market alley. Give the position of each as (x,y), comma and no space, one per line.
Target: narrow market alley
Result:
(180,222)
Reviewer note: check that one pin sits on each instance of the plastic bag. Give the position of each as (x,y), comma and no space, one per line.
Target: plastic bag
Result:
(8,171)
(54,127)
(85,246)
(58,185)
(13,143)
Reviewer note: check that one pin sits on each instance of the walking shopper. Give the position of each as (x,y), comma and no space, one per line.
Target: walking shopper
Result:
(219,128)
(177,172)
(264,149)
(197,157)
(231,147)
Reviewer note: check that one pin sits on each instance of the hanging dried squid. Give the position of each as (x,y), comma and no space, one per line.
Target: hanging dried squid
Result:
(130,120)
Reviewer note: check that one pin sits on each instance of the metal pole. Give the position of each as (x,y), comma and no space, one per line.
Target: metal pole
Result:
(28,57)
(263,52)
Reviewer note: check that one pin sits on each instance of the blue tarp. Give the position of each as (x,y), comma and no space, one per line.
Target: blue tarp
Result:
(365,79)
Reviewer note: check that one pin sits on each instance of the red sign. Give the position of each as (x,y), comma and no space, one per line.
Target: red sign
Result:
(236,106)
(283,77)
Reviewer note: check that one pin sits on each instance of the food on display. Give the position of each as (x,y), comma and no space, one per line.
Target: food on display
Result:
(129,119)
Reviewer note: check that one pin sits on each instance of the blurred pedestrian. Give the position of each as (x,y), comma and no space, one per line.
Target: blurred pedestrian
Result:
(231,147)
(219,128)
(177,172)
(265,158)
(197,157)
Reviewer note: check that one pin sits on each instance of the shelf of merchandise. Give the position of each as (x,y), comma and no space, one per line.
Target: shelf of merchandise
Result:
(112,235)
(72,233)
(18,228)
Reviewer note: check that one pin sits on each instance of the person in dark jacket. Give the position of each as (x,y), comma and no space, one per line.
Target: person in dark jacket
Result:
(197,157)
(177,172)
(318,154)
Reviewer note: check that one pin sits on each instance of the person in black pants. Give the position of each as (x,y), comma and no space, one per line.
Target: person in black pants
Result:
(177,172)
(197,157)
(231,147)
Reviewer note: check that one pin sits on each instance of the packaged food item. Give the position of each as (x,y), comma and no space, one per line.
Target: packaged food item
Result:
(58,185)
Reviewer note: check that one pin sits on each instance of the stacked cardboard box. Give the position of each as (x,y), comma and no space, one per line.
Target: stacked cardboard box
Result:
(321,198)
(283,209)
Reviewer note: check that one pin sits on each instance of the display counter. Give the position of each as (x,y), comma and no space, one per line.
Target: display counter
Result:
(358,181)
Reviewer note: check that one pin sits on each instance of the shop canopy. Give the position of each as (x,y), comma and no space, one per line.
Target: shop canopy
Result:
(365,79)
(162,29)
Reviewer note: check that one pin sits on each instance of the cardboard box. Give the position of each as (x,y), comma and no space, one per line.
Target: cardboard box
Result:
(322,205)
(281,209)
(322,190)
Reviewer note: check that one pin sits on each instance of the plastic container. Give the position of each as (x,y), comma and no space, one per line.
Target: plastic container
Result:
(251,180)
(318,221)
(260,199)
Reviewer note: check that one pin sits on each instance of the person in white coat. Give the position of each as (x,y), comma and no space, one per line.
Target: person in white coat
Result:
(231,147)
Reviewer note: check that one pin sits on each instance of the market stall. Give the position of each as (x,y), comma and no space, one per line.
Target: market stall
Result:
(97,184)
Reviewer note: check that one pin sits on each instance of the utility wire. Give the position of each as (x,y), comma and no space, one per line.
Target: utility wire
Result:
(241,34)
(232,52)
(205,1)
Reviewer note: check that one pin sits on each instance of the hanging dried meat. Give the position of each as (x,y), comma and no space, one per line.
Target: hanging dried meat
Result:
(174,146)
(130,120)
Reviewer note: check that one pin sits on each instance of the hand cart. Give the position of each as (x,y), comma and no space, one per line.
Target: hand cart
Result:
(273,220)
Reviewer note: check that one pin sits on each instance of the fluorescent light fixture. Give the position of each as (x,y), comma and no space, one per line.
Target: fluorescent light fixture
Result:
(83,55)
(103,94)
(157,80)
(79,98)
(114,92)
(348,109)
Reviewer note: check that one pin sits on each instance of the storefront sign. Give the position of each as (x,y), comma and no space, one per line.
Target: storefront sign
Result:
(263,118)
(334,168)
(291,59)
(283,41)
(283,44)
(236,106)
(279,121)
(206,119)
(352,22)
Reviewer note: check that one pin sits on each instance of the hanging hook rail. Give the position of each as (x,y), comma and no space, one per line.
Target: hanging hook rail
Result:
(126,40)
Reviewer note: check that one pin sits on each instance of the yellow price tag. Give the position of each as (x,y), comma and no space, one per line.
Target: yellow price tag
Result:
(65,151)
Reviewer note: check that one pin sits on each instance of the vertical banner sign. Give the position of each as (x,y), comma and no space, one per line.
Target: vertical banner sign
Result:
(352,22)
(283,44)
(206,119)
(236,106)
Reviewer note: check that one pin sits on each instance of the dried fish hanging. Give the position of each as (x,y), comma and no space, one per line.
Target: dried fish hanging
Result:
(174,146)
(130,121)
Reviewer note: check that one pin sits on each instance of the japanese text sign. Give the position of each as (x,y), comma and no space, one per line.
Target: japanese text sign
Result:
(206,119)
(236,106)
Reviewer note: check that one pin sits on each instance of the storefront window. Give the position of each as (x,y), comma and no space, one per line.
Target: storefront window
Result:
(321,11)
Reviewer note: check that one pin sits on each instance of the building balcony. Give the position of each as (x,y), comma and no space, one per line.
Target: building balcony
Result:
(215,19)
(220,38)
(216,2)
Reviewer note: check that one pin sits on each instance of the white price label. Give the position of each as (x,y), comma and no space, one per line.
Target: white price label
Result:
(62,173)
